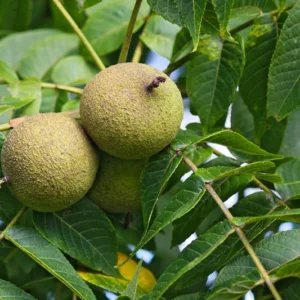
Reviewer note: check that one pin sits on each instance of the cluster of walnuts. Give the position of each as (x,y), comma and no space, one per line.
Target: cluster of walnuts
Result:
(129,112)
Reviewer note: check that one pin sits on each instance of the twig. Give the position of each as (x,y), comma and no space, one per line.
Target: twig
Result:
(262,186)
(13,221)
(14,122)
(4,127)
(67,88)
(128,37)
(288,7)
(242,26)
(239,232)
(139,47)
(80,34)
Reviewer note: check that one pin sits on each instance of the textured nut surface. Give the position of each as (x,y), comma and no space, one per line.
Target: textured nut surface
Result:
(49,161)
(127,119)
(117,184)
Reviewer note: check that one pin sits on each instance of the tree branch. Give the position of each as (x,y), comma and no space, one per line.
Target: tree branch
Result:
(13,221)
(240,233)
(67,88)
(80,34)
(128,37)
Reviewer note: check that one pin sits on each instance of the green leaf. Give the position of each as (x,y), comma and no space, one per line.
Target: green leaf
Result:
(167,9)
(27,89)
(13,103)
(9,206)
(107,24)
(257,3)
(230,139)
(9,291)
(290,143)
(191,12)
(189,194)
(216,173)
(54,100)
(81,239)
(41,57)
(16,103)
(253,86)
(71,105)
(272,138)
(156,174)
(274,178)
(159,36)
(5,108)
(255,204)
(241,275)
(194,296)
(210,23)
(49,257)
(292,292)
(290,173)
(291,215)
(223,10)
(183,45)
(89,3)
(108,283)
(73,7)
(284,78)
(212,77)
(73,70)
(242,119)
(197,217)
(133,233)
(14,46)
(15,14)
(197,155)
(7,74)
(49,99)
(131,290)
(191,257)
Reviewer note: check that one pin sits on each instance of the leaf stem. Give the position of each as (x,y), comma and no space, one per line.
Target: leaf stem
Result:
(74,297)
(177,64)
(242,26)
(262,186)
(128,37)
(67,88)
(13,221)
(80,34)
(240,233)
